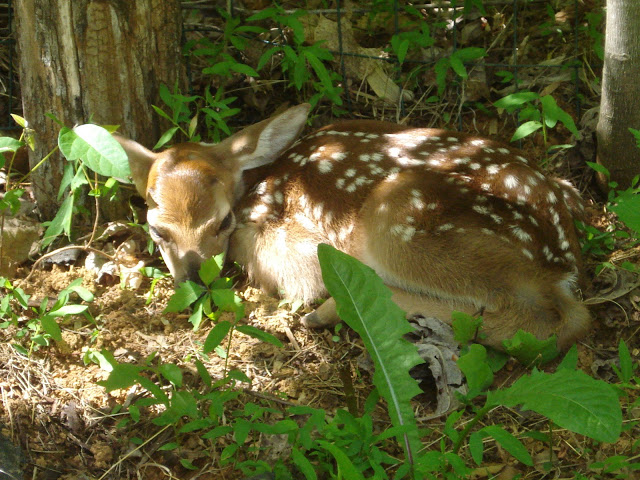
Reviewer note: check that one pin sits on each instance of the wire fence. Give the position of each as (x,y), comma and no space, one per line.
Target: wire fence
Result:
(453,25)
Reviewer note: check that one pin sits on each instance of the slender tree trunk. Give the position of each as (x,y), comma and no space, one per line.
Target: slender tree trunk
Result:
(620,103)
(98,61)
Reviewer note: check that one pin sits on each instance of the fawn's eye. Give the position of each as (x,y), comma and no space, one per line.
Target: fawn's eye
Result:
(157,236)
(226,223)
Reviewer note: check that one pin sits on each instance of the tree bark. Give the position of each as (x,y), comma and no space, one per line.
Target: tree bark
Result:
(99,61)
(620,102)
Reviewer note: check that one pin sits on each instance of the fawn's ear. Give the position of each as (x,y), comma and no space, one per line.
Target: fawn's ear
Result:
(140,161)
(265,141)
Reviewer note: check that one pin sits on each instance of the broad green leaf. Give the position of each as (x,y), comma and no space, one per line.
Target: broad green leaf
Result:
(476,447)
(346,469)
(211,268)
(259,334)
(476,369)
(628,209)
(187,293)
(172,373)
(626,362)
(60,223)
(9,144)
(304,465)
(552,114)
(525,129)
(514,100)
(97,148)
(569,398)
(510,443)
(570,360)
(68,310)
(123,375)
(441,68)
(364,303)
(599,168)
(50,326)
(216,335)
(465,327)
(166,137)
(530,351)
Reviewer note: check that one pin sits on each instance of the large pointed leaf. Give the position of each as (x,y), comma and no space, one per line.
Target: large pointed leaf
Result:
(365,304)
(570,398)
(97,148)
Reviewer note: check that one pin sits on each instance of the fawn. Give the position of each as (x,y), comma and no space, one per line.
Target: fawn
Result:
(449,221)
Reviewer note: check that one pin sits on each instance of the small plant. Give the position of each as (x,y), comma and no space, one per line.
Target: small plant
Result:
(298,60)
(626,205)
(40,330)
(537,112)
(86,147)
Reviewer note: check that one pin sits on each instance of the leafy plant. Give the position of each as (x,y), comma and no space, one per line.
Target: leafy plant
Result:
(43,327)
(456,62)
(537,112)
(86,147)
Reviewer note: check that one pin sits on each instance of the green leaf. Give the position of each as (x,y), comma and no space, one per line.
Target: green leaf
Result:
(476,447)
(570,360)
(216,335)
(304,465)
(525,129)
(511,102)
(400,47)
(123,375)
(364,303)
(510,443)
(187,293)
(465,327)
(530,351)
(244,69)
(172,373)
(68,310)
(441,68)
(599,168)
(60,223)
(211,268)
(346,469)
(97,148)
(628,209)
(552,114)
(476,369)
(50,326)
(9,144)
(166,137)
(626,362)
(570,399)
(259,334)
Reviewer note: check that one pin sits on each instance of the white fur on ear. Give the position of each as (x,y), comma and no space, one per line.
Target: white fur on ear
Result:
(140,161)
(276,135)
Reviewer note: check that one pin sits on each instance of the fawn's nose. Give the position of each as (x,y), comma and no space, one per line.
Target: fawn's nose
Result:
(191,263)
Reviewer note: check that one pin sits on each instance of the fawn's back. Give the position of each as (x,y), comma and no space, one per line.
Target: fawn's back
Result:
(448,220)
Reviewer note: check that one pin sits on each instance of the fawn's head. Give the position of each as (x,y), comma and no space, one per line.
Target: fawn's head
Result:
(191,188)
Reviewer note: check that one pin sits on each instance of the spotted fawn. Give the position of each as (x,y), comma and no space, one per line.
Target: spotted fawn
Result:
(449,221)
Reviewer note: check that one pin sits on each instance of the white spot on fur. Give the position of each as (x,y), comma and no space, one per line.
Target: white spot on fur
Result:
(338,156)
(520,234)
(493,169)
(445,227)
(527,254)
(474,166)
(510,181)
(325,166)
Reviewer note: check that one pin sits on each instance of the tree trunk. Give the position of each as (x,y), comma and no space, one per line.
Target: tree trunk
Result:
(620,103)
(98,61)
